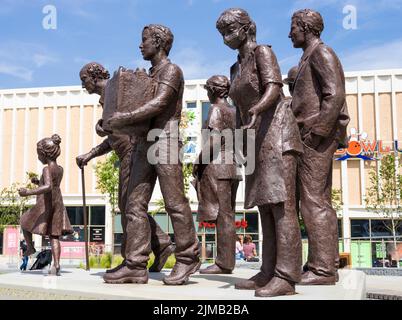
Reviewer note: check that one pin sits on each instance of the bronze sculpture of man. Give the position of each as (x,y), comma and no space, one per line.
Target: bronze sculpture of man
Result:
(319,105)
(256,90)
(165,111)
(94,78)
(216,175)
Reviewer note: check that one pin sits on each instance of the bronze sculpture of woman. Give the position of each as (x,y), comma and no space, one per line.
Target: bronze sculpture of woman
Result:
(256,90)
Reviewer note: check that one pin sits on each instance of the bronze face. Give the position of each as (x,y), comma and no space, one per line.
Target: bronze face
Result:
(234,35)
(148,46)
(87,82)
(297,34)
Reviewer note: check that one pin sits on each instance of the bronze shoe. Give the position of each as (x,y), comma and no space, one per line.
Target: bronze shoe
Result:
(55,271)
(255,282)
(117,268)
(215,269)
(127,275)
(161,259)
(181,272)
(309,278)
(276,287)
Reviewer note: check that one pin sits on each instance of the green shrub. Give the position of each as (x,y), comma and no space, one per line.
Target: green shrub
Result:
(106,260)
(93,262)
(170,262)
(117,260)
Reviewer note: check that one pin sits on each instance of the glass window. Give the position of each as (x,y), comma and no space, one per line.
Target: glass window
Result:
(252,222)
(77,236)
(98,216)
(399,228)
(191,105)
(161,219)
(205,110)
(359,228)
(118,228)
(340,228)
(1,242)
(381,228)
(118,238)
(75,215)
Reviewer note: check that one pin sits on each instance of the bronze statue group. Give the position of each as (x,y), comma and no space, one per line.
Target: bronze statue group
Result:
(295,139)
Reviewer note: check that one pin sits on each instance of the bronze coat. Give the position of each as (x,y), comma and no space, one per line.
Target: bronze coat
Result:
(319,102)
(220,117)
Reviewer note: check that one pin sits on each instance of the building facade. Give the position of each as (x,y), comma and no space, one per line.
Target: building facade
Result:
(26,115)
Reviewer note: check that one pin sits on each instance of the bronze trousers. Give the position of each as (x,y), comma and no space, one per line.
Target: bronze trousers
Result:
(159,239)
(225,224)
(315,184)
(138,223)
(281,247)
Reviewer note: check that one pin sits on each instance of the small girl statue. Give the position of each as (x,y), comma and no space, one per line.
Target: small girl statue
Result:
(217,180)
(49,216)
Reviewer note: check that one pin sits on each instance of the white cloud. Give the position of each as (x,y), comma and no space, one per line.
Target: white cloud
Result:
(42,59)
(196,66)
(379,56)
(21,59)
(16,71)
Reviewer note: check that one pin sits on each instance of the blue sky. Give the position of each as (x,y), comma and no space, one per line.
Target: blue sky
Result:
(109,31)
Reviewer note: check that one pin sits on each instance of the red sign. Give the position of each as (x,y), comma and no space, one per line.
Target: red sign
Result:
(11,241)
(72,250)
(239,224)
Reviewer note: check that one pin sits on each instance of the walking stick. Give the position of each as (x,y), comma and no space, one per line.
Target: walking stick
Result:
(85,220)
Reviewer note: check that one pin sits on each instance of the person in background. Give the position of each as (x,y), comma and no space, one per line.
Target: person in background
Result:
(249,249)
(25,258)
(239,248)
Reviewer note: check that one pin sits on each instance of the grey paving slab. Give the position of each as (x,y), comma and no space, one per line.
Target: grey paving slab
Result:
(80,284)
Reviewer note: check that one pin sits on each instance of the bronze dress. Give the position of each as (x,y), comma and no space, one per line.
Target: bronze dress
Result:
(249,77)
(272,185)
(48,217)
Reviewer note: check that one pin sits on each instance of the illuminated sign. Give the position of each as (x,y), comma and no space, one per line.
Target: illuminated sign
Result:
(359,147)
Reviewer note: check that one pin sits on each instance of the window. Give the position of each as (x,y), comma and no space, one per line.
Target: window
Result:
(359,228)
(340,228)
(1,242)
(97,216)
(162,220)
(75,215)
(252,222)
(205,110)
(381,228)
(191,105)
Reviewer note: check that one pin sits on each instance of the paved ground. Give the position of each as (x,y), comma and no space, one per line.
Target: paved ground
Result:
(384,287)
(80,284)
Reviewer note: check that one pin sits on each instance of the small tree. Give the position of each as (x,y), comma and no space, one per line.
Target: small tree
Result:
(384,194)
(107,173)
(12,206)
